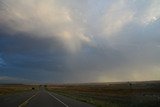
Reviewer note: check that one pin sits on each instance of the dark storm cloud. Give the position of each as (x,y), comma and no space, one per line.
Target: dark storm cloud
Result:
(79,41)
(21,49)
(28,56)
(2,63)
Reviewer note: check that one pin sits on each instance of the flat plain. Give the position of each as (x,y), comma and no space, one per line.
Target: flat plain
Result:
(118,94)
(113,94)
(18,95)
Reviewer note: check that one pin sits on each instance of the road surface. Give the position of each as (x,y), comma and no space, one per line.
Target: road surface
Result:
(42,98)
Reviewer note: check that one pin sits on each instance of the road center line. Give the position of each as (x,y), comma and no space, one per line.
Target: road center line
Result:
(58,99)
(25,102)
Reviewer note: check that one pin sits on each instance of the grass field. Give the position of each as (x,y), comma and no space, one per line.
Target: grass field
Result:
(14,88)
(127,94)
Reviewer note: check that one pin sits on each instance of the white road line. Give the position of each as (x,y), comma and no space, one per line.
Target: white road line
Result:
(58,99)
(25,102)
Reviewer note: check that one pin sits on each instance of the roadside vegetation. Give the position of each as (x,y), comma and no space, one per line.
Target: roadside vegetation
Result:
(129,94)
(14,88)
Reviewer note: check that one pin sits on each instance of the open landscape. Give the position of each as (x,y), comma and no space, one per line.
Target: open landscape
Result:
(79,53)
(19,95)
(113,94)
(122,94)
(15,88)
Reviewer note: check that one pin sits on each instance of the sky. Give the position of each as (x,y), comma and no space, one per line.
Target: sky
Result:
(77,41)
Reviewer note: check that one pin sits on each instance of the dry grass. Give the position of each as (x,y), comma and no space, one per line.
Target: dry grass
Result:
(9,89)
(141,94)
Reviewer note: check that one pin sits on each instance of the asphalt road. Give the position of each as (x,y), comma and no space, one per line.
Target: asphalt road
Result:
(42,98)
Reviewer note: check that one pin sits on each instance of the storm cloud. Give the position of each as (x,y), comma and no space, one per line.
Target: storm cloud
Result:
(79,40)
